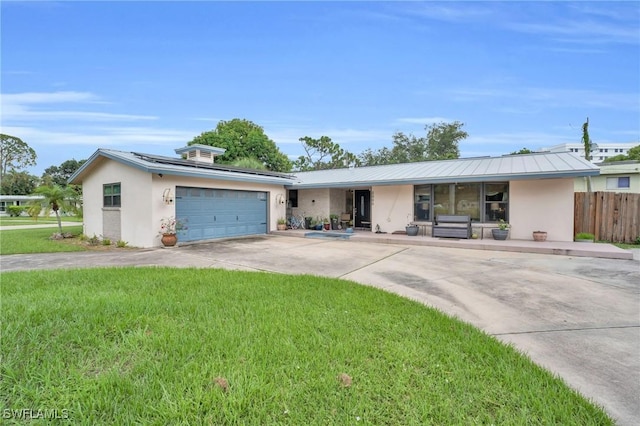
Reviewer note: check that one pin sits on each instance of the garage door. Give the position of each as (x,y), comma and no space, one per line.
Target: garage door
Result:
(218,213)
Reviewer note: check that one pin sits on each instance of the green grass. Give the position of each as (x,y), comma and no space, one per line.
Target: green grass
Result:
(25,220)
(186,346)
(36,240)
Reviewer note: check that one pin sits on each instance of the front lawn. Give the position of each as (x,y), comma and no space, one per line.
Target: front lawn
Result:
(36,240)
(195,346)
(26,220)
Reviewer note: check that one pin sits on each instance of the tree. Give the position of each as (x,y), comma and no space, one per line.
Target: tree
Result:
(323,154)
(18,183)
(244,139)
(586,140)
(249,163)
(14,154)
(522,151)
(443,139)
(56,198)
(440,143)
(632,154)
(59,175)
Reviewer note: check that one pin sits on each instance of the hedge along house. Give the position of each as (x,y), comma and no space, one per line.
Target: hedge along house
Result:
(532,192)
(126,195)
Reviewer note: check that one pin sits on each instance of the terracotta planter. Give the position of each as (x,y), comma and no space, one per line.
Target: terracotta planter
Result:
(327,226)
(539,236)
(282,227)
(169,240)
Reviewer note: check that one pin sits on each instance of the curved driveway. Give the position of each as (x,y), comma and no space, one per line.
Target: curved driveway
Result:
(578,317)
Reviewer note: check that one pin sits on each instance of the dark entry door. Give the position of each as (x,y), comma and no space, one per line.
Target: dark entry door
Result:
(362,203)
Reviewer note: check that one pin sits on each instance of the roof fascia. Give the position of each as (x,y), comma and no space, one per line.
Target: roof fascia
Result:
(450,179)
(201,173)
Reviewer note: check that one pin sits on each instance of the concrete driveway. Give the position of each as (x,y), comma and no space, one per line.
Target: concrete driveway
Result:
(577,316)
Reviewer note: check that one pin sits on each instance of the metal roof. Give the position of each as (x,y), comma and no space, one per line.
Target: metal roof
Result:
(508,167)
(179,167)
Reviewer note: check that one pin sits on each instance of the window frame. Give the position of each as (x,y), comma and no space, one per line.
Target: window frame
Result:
(113,198)
(484,204)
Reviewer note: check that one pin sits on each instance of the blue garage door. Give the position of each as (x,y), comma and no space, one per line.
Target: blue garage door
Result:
(218,213)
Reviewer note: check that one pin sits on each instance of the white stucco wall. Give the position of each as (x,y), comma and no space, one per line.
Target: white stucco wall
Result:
(135,227)
(142,207)
(391,207)
(541,205)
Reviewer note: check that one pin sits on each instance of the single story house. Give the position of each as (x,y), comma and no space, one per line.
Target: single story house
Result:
(616,176)
(16,200)
(127,194)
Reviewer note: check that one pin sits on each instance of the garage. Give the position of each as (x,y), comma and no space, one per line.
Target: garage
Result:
(220,213)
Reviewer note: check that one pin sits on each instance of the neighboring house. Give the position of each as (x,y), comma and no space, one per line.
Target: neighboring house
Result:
(600,153)
(616,176)
(16,200)
(127,194)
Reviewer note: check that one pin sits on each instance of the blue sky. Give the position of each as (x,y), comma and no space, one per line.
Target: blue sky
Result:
(149,76)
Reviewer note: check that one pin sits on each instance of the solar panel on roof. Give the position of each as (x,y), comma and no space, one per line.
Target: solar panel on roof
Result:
(197,165)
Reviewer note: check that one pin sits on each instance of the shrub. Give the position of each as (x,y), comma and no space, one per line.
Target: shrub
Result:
(15,211)
(121,244)
(106,242)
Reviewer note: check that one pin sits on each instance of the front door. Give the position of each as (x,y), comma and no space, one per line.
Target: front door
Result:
(362,204)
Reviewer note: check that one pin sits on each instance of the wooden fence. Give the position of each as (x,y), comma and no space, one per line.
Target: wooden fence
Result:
(610,216)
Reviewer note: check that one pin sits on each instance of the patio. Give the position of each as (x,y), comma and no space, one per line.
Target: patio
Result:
(579,249)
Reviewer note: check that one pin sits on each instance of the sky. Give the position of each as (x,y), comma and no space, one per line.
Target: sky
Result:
(150,76)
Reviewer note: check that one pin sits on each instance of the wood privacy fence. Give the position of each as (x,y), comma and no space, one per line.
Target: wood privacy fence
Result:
(610,216)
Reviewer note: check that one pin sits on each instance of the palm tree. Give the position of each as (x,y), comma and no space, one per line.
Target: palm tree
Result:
(56,198)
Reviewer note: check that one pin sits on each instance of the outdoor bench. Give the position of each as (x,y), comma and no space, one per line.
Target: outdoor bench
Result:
(452,226)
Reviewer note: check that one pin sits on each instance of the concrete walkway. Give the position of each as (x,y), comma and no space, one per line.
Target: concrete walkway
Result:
(577,316)
(38,225)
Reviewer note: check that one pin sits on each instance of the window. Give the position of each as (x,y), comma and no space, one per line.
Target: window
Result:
(622,182)
(111,195)
(496,201)
(293,198)
(422,202)
(488,202)
(461,199)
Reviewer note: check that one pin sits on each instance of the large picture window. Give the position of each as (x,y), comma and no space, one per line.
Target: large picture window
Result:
(483,202)
(111,195)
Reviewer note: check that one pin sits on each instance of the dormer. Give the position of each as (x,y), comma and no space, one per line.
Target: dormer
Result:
(200,153)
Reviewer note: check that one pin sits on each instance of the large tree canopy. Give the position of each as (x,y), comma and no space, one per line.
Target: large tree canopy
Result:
(322,154)
(14,154)
(440,143)
(18,183)
(244,139)
(59,175)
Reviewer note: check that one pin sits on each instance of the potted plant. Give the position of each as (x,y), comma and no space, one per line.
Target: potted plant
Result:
(282,224)
(334,221)
(412,229)
(502,232)
(169,226)
(584,237)
(326,223)
(539,235)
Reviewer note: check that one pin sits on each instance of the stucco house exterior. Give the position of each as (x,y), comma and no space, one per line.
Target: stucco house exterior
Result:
(126,194)
(616,176)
